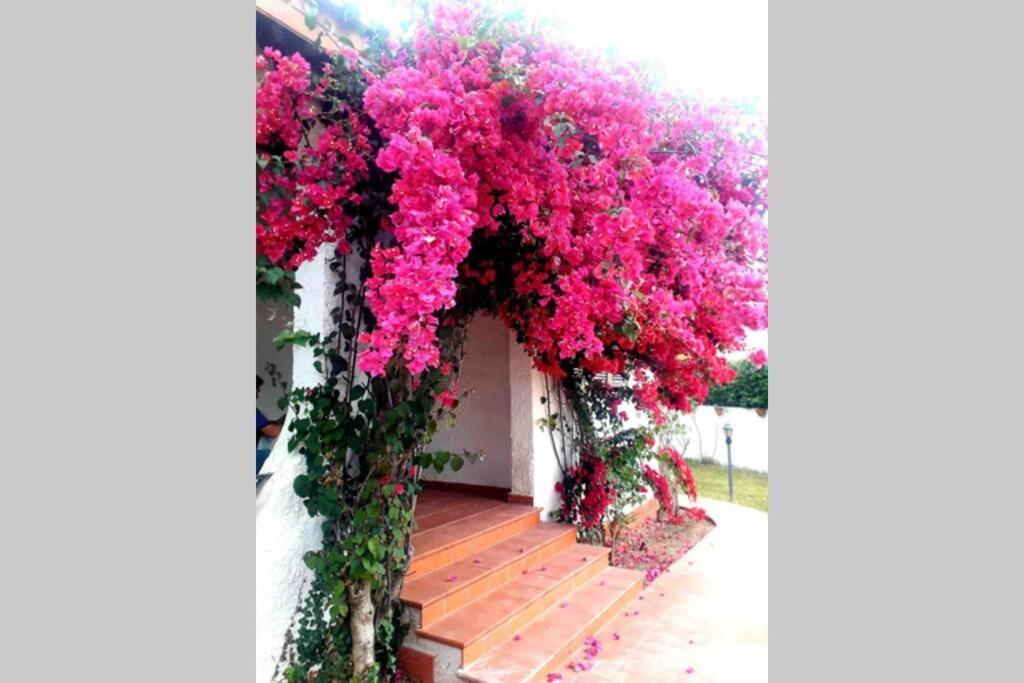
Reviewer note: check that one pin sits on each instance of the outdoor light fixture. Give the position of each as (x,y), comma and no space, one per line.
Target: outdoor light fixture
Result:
(727,428)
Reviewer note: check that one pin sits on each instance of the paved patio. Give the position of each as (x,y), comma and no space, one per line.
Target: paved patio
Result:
(704,620)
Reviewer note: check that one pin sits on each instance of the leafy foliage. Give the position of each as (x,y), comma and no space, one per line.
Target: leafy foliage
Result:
(748,390)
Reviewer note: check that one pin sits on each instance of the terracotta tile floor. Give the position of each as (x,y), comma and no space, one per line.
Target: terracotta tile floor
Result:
(709,612)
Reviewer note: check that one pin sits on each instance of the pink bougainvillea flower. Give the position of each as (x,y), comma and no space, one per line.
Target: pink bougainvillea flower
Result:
(517,637)
(554,676)
(759,358)
(452,578)
(689,669)
(592,647)
(399,489)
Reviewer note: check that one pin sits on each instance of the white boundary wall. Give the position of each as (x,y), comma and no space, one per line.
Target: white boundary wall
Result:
(749,436)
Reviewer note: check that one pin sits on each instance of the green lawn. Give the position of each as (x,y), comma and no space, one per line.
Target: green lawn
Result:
(750,488)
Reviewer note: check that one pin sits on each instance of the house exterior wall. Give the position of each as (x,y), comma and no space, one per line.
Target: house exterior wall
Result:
(284,529)
(483,421)
(534,467)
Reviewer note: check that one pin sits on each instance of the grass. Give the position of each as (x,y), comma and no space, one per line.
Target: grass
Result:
(750,488)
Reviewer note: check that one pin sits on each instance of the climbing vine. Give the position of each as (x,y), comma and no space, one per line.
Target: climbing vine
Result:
(479,167)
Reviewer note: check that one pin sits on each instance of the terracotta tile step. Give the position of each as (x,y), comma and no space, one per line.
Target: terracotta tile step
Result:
(454,512)
(429,502)
(433,595)
(549,639)
(434,548)
(497,615)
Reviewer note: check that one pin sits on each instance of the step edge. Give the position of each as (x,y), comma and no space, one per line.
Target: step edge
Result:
(628,593)
(447,546)
(423,631)
(487,574)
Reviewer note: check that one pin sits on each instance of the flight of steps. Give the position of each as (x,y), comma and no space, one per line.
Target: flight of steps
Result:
(485,572)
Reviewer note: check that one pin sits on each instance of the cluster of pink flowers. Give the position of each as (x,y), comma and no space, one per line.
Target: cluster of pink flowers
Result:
(307,169)
(586,492)
(632,217)
(663,493)
(640,212)
(681,471)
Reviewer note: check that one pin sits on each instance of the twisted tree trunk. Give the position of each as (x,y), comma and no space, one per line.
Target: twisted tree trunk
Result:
(360,609)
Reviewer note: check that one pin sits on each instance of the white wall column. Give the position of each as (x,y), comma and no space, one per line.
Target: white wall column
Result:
(284,530)
(534,466)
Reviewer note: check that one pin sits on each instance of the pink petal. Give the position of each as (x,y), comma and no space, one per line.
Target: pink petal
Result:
(564,605)
(689,669)
(517,637)
(452,578)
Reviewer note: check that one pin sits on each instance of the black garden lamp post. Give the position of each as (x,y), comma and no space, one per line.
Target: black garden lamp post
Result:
(727,428)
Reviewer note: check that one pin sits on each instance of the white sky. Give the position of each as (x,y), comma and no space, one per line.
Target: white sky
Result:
(715,48)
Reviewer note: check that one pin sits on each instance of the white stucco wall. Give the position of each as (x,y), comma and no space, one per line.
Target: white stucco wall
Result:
(483,422)
(534,467)
(749,436)
(284,530)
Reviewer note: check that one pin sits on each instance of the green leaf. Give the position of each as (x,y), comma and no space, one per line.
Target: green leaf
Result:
(440,460)
(296,337)
(302,486)
(358,391)
(456,463)
(273,275)
(313,561)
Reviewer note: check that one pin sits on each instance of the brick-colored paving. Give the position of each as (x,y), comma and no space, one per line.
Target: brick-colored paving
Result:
(708,614)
